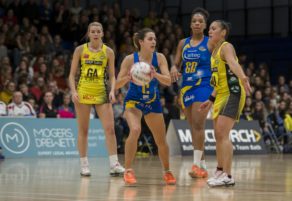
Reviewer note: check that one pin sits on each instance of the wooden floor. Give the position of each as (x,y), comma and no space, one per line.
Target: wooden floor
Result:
(258,178)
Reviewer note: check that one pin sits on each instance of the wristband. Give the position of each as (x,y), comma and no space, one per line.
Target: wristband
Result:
(212,98)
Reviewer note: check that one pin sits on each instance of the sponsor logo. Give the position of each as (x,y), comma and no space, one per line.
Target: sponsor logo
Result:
(14,138)
(54,138)
(93,62)
(202,48)
(188,98)
(191,55)
(243,139)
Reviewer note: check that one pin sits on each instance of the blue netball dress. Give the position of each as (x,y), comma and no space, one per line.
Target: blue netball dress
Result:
(145,98)
(196,73)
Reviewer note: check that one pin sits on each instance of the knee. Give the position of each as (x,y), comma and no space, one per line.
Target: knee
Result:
(198,126)
(109,130)
(83,131)
(220,136)
(161,143)
(135,132)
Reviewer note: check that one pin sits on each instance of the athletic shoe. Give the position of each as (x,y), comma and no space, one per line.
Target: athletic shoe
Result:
(169,178)
(216,175)
(222,180)
(129,177)
(85,172)
(117,170)
(198,172)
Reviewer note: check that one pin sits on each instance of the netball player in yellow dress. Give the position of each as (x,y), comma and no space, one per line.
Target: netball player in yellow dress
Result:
(96,59)
(230,89)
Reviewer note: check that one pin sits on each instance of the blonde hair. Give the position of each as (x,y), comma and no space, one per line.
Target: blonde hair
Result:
(89,26)
(94,24)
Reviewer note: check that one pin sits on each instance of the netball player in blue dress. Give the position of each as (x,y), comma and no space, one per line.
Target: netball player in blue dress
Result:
(145,100)
(194,55)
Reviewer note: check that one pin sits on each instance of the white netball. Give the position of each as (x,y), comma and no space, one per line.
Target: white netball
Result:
(141,73)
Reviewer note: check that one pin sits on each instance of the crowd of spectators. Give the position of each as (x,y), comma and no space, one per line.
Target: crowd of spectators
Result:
(36,43)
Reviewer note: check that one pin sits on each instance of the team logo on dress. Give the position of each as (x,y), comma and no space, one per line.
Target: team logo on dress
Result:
(202,48)
(88,97)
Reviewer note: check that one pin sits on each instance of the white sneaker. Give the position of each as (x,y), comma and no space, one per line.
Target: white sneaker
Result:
(222,180)
(117,170)
(217,174)
(85,172)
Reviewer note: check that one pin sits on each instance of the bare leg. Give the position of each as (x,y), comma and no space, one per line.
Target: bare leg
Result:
(224,148)
(197,121)
(155,122)
(106,116)
(82,113)
(133,117)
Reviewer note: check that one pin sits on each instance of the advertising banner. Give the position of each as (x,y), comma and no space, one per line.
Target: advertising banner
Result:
(245,136)
(28,137)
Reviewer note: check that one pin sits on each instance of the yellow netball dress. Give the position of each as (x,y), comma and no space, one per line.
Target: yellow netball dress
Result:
(92,87)
(230,93)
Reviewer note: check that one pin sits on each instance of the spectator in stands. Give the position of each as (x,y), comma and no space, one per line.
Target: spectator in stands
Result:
(33,103)
(3,109)
(43,72)
(288,118)
(10,19)
(258,83)
(57,47)
(276,118)
(282,83)
(24,46)
(23,73)
(30,9)
(259,113)
(151,20)
(7,93)
(59,77)
(40,59)
(38,88)
(66,110)
(258,96)
(58,94)
(267,95)
(247,110)
(16,6)
(47,109)
(263,74)
(20,108)
(43,46)
(25,92)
